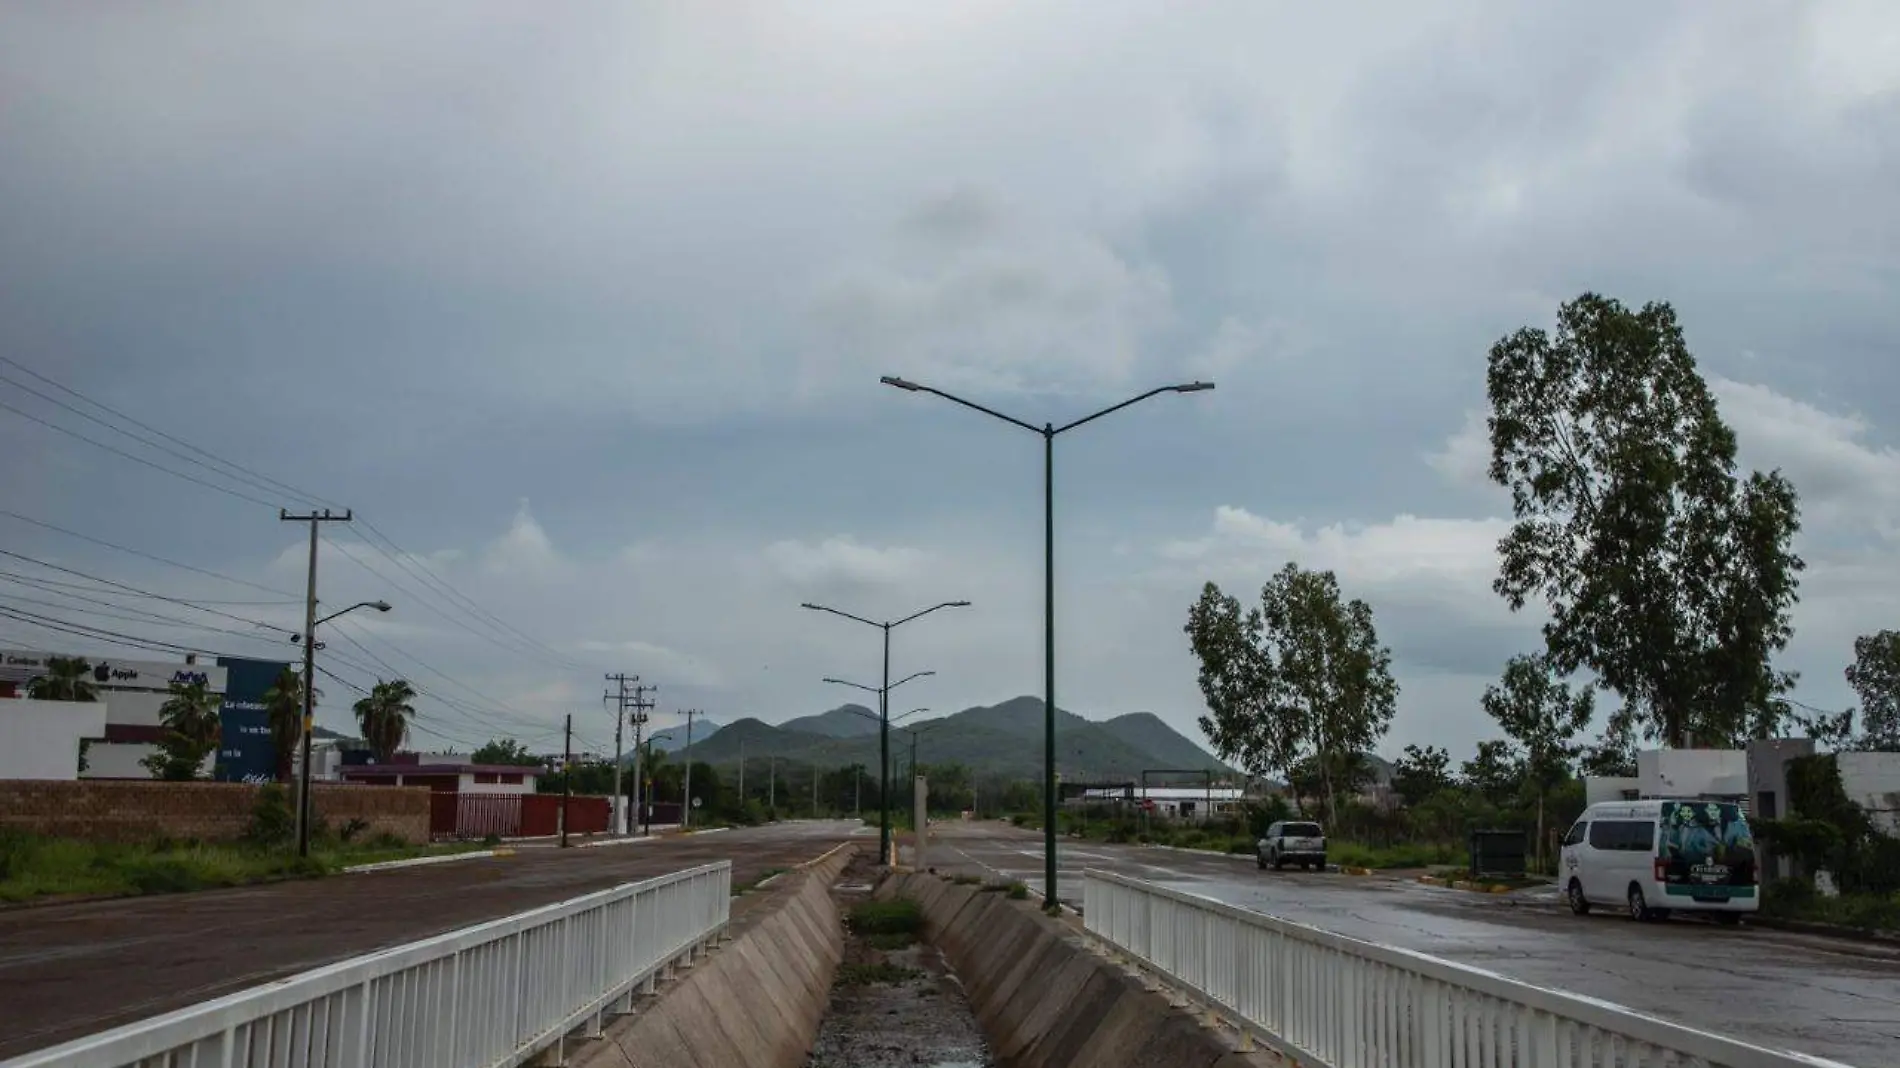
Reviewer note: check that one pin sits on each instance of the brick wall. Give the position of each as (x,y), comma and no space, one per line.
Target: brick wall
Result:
(126,811)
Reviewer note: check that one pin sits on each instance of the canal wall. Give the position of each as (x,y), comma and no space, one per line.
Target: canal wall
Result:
(1046,999)
(756,1000)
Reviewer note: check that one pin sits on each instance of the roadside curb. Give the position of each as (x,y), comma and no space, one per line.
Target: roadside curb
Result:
(417,862)
(629,840)
(1468,885)
(1824,930)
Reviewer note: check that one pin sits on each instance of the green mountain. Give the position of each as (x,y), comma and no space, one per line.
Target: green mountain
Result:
(1003,740)
(845,721)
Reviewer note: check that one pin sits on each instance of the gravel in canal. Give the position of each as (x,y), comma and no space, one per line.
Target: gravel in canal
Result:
(896,1003)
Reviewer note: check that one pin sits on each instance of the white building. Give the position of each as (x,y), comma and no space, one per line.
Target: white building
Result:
(130,693)
(1169,802)
(41,739)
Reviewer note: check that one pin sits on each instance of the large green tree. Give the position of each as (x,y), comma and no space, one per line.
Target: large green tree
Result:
(190,718)
(283,703)
(383,716)
(1666,574)
(65,680)
(1875,677)
(1421,773)
(507,751)
(1538,711)
(1300,677)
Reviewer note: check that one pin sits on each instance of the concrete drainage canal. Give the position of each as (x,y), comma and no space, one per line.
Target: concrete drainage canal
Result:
(840,965)
(896,1001)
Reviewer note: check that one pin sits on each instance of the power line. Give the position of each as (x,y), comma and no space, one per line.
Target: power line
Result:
(127,616)
(136,459)
(111,637)
(149,556)
(283,486)
(143,593)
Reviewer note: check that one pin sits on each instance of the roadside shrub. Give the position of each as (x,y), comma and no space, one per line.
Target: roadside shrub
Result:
(273,822)
(1018,892)
(898,915)
(357,825)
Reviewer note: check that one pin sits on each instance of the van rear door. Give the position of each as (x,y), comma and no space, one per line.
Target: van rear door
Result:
(1706,853)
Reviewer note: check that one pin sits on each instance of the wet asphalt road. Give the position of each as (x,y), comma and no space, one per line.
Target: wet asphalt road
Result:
(1824,997)
(71,970)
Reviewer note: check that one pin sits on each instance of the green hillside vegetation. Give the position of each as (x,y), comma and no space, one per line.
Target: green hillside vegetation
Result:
(846,721)
(1001,741)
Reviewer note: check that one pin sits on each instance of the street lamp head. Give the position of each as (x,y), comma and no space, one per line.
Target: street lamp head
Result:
(959,604)
(900,383)
(380,606)
(1192,387)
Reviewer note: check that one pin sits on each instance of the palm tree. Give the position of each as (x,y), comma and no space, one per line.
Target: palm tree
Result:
(284,702)
(65,680)
(384,716)
(190,717)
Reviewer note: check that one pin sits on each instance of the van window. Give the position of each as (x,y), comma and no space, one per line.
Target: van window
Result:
(1628,836)
(1576,833)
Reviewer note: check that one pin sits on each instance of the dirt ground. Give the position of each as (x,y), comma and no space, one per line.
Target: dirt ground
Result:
(921,1019)
(71,970)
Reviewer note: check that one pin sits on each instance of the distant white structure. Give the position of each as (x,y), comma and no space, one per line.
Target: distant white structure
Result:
(1171,802)
(40,739)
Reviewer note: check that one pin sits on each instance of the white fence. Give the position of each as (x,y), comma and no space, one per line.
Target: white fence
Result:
(1328,999)
(493,994)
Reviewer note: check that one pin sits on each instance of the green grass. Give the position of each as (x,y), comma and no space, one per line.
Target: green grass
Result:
(1417,855)
(1794,899)
(747,887)
(33,866)
(899,915)
(891,942)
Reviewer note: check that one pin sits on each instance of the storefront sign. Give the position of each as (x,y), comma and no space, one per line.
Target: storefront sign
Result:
(245,750)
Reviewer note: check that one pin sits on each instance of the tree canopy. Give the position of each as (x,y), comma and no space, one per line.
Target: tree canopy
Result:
(190,717)
(64,680)
(1300,677)
(1875,677)
(506,751)
(1666,575)
(384,715)
(283,704)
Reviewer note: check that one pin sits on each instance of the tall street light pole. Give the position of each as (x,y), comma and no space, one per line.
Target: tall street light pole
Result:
(884,745)
(884,709)
(1048,432)
(310,646)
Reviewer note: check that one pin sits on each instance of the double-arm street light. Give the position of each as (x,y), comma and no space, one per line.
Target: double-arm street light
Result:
(884,708)
(884,733)
(310,646)
(1048,432)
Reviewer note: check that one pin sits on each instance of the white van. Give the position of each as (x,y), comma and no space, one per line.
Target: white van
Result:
(1657,857)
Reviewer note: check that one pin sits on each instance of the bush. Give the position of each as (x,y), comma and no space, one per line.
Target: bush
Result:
(1018,892)
(357,825)
(898,915)
(273,821)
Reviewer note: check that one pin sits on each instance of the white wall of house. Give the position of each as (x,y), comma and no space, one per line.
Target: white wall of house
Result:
(470,786)
(1872,781)
(1692,772)
(1598,788)
(40,739)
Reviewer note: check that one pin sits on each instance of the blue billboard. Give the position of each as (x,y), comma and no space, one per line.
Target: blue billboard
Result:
(245,752)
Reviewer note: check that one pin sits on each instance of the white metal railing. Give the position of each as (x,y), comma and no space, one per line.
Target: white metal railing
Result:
(1328,999)
(493,994)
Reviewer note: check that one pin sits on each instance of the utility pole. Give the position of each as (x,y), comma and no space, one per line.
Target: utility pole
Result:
(742,772)
(567,775)
(640,705)
(814,789)
(309,668)
(857,790)
(771,782)
(620,710)
(686,792)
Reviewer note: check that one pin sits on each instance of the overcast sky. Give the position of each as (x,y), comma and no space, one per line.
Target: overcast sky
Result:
(586,304)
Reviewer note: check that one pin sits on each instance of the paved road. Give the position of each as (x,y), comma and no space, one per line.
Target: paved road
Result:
(70,970)
(1820,996)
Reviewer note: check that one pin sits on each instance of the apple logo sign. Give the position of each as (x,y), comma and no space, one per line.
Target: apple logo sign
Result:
(102,673)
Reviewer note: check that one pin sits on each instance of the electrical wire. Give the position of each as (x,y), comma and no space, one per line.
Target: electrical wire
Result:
(137,459)
(294,598)
(143,593)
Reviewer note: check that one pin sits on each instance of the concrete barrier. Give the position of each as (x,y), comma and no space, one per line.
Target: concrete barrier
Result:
(757,1000)
(1046,999)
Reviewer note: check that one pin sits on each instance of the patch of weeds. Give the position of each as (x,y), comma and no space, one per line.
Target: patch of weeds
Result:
(891,942)
(899,915)
(753,884)
(875,974)
(967,880)
(1018,892)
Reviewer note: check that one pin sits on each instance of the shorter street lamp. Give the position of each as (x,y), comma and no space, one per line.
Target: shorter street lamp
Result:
(310,647)
(884,748)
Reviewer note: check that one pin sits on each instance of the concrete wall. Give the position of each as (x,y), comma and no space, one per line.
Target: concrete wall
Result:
(1046,1000)
(755,1002)
(1692,772)
(40,739)
(133,811)
(1872,781)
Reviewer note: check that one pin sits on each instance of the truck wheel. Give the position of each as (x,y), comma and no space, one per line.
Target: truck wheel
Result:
(1579,904)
